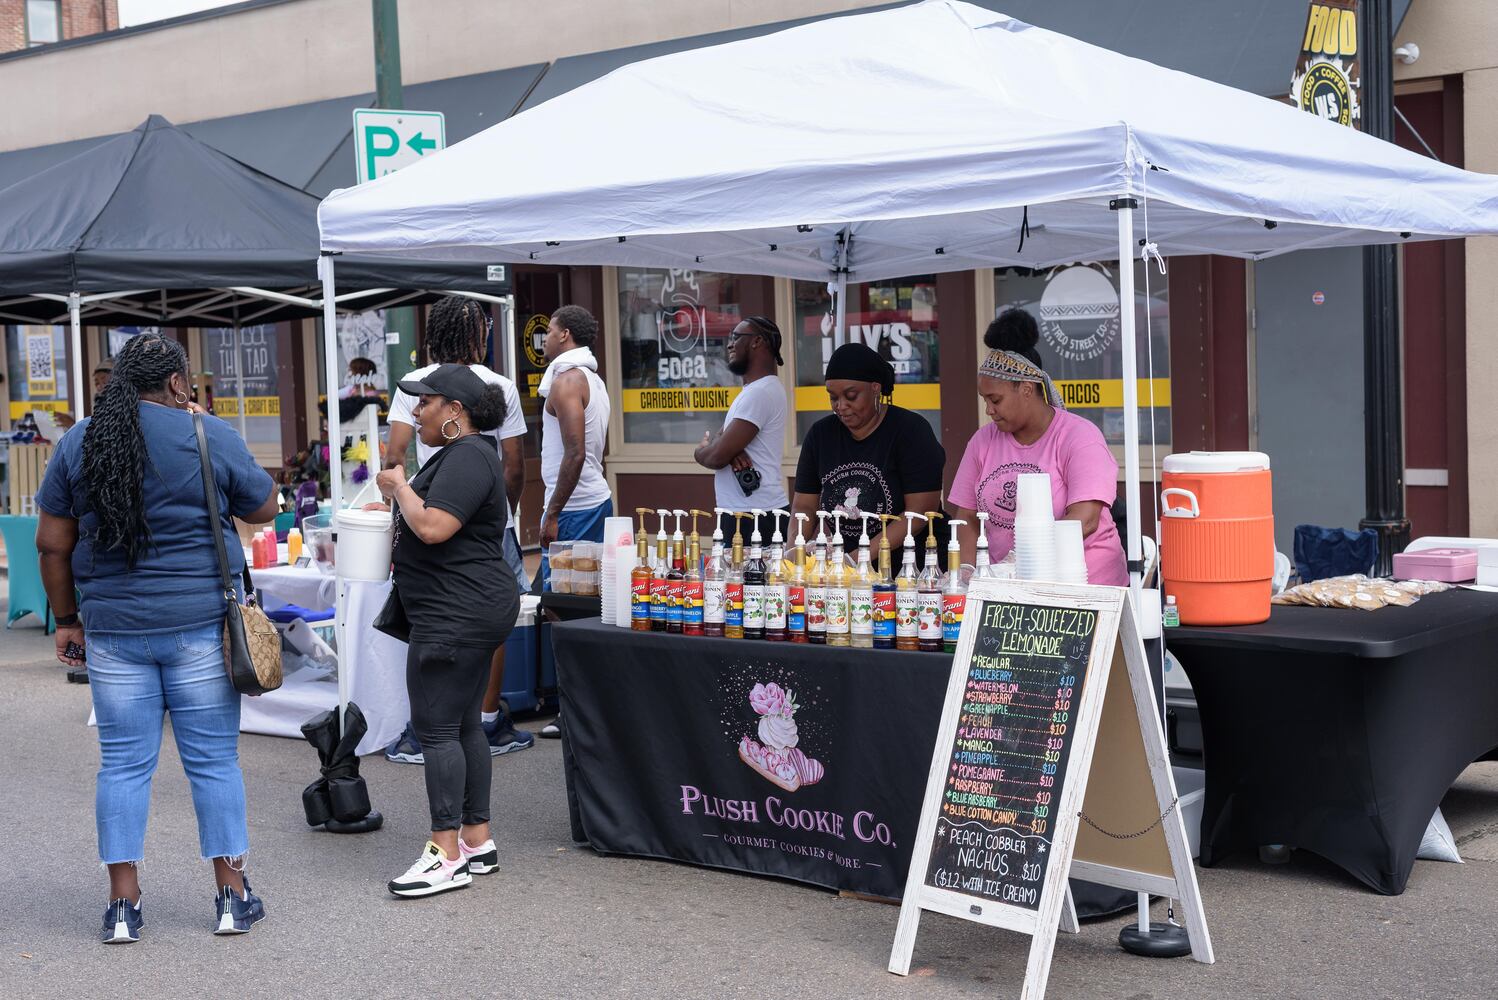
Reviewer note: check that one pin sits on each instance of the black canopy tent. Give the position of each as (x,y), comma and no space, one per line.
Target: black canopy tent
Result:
(153,227)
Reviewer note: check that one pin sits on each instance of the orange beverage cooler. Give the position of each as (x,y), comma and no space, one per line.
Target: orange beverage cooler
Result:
(1217,536)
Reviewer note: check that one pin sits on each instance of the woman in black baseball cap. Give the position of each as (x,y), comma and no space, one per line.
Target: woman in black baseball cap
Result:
(461,600)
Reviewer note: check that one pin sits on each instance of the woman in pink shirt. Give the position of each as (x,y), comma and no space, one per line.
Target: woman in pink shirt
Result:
(1033,432)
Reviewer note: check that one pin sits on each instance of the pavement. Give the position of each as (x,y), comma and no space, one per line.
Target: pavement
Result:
(560,921)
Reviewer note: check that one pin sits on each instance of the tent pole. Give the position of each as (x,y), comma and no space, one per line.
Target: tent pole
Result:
(75,321)
(335,469)
(839,332)
(239,379)
(1134,546)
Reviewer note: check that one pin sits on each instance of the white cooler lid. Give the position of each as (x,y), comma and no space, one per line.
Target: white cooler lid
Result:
(1217,461)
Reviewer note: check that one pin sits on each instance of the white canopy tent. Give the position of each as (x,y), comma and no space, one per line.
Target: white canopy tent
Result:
(934,137)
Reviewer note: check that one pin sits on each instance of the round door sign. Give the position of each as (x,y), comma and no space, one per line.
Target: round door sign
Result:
(1317,298)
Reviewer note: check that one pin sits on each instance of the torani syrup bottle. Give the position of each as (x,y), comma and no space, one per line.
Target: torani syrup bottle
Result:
(953,593)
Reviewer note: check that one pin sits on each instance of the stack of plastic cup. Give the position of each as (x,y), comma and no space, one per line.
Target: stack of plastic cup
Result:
(618,533)
(1034,528)
(1071,561)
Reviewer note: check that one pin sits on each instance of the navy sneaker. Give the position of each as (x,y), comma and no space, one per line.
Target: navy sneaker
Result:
(505,738)
(122,922)
(406,749)
(237,914)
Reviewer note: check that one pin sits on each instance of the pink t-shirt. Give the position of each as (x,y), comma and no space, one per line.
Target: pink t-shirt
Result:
(1081,467)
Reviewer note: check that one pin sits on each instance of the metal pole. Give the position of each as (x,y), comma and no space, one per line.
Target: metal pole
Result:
(1134,545)
(839,332)
(75,321)
(239,380)
(1383,408)
(335,468)
(387,53)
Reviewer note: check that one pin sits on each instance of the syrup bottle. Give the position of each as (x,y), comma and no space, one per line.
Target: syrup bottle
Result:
(715,581)
(796,585)
(693,586)
(816,586)
(660,600)
(981,565)
(777,590)
(907,598)
(676,577)
(837,587)
(733,589)
(755,575)
(953,593)
(640,578)
(928,593)
(861,592)
(884,591)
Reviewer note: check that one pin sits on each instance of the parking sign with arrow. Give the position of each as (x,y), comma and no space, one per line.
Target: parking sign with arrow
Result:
(386,140)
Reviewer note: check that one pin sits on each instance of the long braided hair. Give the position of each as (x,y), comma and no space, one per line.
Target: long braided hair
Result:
(114,450)
(457,332)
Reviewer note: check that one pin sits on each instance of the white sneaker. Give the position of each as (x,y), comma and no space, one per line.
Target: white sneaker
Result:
(432,873)
(481,860)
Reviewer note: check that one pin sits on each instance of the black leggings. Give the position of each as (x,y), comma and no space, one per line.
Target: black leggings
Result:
(446,684)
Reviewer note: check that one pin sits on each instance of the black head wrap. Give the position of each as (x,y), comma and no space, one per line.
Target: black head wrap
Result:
(861,363)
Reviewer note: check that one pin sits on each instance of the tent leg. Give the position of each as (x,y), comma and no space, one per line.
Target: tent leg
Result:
(1134,546)
(839,333)
(335,468)
(75,321)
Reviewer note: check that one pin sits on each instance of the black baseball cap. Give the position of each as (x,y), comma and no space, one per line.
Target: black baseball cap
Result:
(455,382)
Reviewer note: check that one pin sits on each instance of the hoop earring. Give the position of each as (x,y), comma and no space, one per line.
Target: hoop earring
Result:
(181,398)
(457,430)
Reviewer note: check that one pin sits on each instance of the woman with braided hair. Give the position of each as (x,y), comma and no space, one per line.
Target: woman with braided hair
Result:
(123,525)
(457,333)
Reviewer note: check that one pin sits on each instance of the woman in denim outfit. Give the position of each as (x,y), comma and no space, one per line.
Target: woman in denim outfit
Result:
(123,526)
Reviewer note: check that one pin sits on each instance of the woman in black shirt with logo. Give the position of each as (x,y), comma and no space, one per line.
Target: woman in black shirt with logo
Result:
(461,599)
(869,456)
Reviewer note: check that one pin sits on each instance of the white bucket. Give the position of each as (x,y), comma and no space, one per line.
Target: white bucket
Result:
(365,538)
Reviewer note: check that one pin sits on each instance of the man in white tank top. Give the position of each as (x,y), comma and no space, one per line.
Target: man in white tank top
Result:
(574,430)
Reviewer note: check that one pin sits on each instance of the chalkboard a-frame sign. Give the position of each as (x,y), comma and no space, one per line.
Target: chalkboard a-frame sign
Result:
(1049,714)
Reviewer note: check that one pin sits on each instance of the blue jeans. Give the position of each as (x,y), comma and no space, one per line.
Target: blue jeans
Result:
(577,526)
(135,679)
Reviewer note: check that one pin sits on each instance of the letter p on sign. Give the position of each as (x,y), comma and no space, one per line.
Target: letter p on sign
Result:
(386,140)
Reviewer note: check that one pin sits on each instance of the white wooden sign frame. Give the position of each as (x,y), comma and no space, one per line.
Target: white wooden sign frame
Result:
(1117,633)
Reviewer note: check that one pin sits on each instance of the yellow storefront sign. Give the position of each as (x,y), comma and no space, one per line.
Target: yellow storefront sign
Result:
(911,395)
(1088,393)
(20,407)
(254,406)
(707,399)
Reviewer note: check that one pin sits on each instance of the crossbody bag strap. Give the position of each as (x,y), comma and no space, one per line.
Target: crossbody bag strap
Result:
(210,499)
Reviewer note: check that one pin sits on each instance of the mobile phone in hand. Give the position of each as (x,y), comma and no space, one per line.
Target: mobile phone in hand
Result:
(73,651)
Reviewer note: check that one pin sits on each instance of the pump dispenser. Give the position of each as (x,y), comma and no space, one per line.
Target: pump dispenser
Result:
(928,593)
(795,598)
(816,585)
(953,593)
(755,573)
(837,587)
(777,592)
(640,578)
(861,591)
(676,578)
(660,595)
(693,610)
(981,565)
(884,590)
(715,580)
(907,602)
(733,591)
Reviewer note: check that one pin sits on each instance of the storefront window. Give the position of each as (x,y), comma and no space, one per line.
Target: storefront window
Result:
(538,294)
(898,318)
(1076,306)
(37,372)
(674,326)
(261,389)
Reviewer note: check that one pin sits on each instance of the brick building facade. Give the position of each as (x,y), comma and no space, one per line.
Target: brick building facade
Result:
(24,23)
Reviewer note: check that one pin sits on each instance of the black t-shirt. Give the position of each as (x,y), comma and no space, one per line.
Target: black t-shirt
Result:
(459,591)
(874,475)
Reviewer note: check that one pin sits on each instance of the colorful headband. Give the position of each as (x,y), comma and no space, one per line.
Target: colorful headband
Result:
(1011,367)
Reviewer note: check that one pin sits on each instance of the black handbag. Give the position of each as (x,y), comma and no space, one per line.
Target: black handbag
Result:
(252,646)
(392,618)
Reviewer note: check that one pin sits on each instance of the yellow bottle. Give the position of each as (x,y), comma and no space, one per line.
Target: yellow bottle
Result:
(293,546)
(837,587)
(861,593)
(733,590)
(640,578)
(816,585)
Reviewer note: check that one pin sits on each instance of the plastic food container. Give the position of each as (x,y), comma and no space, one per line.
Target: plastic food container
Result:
(1217,536)
(586,570)
(559,556)
(1441,565)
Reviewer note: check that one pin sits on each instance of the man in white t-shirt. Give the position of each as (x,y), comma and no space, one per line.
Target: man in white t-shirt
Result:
(458,333)
(745,454)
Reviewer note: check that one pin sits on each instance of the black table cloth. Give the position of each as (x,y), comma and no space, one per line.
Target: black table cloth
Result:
(659,735)
(1338,731)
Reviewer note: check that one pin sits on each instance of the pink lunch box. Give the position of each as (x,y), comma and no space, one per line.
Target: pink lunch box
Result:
(1441,565)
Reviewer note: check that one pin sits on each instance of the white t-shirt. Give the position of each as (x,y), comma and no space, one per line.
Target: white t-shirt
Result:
(762,403)
(403,403)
